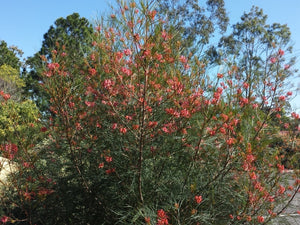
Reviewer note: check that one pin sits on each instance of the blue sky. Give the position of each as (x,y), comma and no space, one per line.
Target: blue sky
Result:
(23,23)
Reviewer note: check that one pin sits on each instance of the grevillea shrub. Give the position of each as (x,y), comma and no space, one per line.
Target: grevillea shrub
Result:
(141,134)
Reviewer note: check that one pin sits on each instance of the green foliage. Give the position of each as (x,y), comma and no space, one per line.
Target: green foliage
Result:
(10,65)
(10,81)
(9,56)
(73,32)
(10,75)
(16,118)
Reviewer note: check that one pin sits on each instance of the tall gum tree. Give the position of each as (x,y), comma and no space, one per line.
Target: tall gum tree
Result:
(195,22)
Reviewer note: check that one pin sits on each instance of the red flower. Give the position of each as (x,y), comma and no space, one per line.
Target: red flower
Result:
(158,56)
(119,55)
(183,59)
(126,71)
(135,126)
(281,98)
(295,115)
(114,126)
(161,213)
(273,60)
(98,28)
(253,176)
(164,35)
(162,221)
(53,66)
(4,219)
(198,199)
(147,220)
(164,129)
(244,101)
(127,52)
(26,164)
(123,130)
(250,158)
(280,168)
(280,52)
(44,192)
(90,104)
(92,71)
(43,129)
(92,56)
(136,36)
(281,189)
(162,217)
(185,113)
(6,96)
(152,124)
(152,14)
(109,171)
(230,141)
(71,104)
(246,85)
(107,84)
(260,219)
(108,159)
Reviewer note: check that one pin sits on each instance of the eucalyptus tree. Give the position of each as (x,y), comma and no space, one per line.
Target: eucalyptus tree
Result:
(195,22)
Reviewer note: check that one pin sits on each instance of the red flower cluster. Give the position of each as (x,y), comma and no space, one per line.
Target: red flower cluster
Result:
(260,219)
(162,217)
(9,150)
(4,95)
(198,199)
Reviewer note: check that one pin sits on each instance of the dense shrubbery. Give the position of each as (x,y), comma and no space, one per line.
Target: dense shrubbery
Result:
(140,134)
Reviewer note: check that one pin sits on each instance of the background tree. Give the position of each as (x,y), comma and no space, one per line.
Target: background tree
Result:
(73,34)
(260,52)
(10,69)
(196,23)
(10,56)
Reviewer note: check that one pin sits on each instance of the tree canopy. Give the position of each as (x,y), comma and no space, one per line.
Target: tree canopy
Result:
(10,55)
(10,69)
(73,34)
(195,22)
